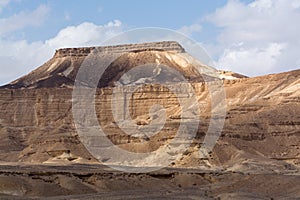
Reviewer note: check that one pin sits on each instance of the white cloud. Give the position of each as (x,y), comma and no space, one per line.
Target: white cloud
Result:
(262,4)
(85,34)
(17,56)
(3,3)
(20,57)
(252,60)
(23,19)
(260,37)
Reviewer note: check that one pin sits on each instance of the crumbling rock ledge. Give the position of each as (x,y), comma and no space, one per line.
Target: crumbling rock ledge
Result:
(171,46)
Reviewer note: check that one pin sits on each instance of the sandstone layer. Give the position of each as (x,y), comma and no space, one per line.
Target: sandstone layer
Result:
(260,134)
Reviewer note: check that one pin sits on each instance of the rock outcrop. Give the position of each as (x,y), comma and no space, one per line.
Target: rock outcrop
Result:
(170,46)
(156,61)
(260,133)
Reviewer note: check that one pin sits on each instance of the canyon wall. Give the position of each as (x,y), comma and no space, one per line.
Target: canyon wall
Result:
(261,129)
(262,122)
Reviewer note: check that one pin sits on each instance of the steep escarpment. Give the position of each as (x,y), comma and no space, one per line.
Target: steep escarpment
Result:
(261,130)
(262,121)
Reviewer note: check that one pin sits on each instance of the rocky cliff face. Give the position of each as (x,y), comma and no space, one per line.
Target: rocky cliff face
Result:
(261,130)
(170,46)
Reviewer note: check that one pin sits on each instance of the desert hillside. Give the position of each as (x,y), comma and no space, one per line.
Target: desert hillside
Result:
(260,136)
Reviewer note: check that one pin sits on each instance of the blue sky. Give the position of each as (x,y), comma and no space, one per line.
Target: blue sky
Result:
(172,14)
(252,37)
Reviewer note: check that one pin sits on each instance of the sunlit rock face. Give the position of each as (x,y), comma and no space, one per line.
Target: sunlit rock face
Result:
(260,132)
(131,64)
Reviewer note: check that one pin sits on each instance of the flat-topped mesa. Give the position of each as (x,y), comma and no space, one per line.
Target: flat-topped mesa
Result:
(171,46)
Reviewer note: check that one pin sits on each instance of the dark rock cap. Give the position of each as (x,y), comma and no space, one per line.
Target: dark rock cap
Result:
(172,46)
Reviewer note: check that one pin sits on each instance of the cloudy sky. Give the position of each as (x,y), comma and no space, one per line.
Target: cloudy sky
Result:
(250,37)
